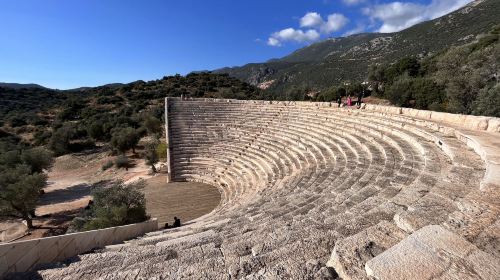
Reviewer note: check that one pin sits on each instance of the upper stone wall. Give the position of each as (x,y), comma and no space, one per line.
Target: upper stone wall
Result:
(481,123)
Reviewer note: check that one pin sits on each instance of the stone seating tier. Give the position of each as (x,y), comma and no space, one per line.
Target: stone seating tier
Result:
(309,190)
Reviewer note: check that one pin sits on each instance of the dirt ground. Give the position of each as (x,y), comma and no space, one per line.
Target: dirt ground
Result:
(185,200)
(69,187)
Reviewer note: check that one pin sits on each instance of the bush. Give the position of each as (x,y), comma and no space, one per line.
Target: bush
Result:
(151,154)
(19,192)
(122,162)
(60,140)
(488,102)
(107,165)
(152,125)
(124,139)
(37,159)
(17,121)
(96,130)
(162,149)
(419,93)
(115,205)
(41,137)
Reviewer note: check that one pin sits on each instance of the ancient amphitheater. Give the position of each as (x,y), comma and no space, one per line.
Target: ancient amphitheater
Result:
(312,191)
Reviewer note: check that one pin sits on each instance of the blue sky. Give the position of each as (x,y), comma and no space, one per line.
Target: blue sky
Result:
(67,44)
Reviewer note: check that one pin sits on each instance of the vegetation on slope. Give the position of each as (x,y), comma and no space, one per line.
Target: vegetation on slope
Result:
(36,120)
(462,79)
(345,60)
(22,177)
(69,121)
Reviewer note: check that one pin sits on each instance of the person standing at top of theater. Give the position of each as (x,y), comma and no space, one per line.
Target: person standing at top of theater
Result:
(349,101)
(360,98)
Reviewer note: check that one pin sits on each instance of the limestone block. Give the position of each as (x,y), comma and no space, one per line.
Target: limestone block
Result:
(350,254)
(489,239)
(494,125)
(430,253)
(423,114)
(476,122)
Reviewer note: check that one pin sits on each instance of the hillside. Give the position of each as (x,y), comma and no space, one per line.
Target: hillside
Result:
(19,86)
(339,60)
(36,114)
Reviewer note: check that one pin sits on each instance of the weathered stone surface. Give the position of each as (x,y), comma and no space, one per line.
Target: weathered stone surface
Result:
(305,184)
(350,254)
(433,253)
(24,255)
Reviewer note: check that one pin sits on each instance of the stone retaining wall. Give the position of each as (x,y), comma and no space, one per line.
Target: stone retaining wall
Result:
(22,256)
(480,123)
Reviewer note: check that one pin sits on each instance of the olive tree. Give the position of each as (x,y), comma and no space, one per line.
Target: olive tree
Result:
(20,191)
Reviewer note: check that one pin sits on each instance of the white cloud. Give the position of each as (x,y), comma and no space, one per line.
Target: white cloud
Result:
(335,23)
(352,2)
(273,42)
(311,19)
(290,34)
(439,8)
(396,16)
(316,25)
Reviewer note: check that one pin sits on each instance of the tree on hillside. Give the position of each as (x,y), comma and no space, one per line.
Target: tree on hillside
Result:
(152,125)
(19,192)
(96,130)
(354,89)
(38,159)
(60,140)
(488,102)
(151,153)
(124,139)
(329,95)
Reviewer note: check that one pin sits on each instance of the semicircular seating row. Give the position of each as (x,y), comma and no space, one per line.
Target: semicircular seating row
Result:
(298,182)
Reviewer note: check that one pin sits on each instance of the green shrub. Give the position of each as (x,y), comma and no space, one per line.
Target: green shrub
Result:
(107,165)
(161,150)
(60,140)
(124,139)
(122,161)
(19,192)
(488,102)
(114,205)
(152,125)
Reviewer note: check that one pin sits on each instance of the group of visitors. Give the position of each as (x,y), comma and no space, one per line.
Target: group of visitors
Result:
(349,101)
(177,223)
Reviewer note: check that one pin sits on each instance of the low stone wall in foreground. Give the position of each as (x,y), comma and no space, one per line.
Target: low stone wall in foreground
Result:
(23,256)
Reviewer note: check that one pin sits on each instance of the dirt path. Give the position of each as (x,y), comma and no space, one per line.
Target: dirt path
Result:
(186,200)
(68,190)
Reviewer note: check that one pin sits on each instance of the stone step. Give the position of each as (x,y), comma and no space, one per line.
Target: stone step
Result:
(433,253)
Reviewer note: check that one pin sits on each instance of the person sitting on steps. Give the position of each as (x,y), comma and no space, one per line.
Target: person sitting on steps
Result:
(177,222)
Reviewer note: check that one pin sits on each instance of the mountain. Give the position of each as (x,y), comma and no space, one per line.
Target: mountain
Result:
(19,86)
(112,86)
(337,60)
